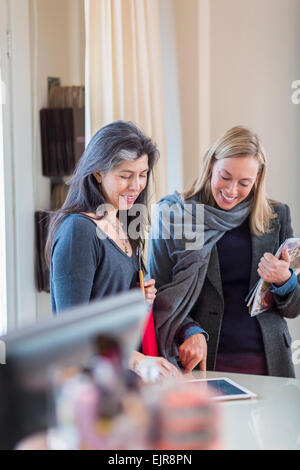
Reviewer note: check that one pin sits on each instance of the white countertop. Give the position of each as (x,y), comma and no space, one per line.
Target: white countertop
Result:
(269,421)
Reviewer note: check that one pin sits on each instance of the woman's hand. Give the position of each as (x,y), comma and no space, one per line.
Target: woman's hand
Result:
(140,364)
(150,291)
(274,270)
(166,369)
(193,352)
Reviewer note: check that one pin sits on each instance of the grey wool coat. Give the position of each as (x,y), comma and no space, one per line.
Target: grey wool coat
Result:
(210,305)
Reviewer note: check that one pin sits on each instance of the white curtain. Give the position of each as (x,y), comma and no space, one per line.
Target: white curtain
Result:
(124,70)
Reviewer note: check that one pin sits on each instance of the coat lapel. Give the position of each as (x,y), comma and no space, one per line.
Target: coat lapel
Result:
(213,271)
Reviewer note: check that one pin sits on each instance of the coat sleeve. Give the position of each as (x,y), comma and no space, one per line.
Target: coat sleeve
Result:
(160,267)
(289,306)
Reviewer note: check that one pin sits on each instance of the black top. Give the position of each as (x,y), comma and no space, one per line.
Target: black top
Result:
(240,332)
(86,266)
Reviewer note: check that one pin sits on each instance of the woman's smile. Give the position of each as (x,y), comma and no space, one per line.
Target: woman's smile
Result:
(130,199)
(227,199)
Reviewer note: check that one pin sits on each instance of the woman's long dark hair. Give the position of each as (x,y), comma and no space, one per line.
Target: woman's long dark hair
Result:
(110,146)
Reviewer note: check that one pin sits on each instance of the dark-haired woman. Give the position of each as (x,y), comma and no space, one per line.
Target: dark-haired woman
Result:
(92,249)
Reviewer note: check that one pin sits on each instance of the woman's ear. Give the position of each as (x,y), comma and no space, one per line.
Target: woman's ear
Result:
(98,177)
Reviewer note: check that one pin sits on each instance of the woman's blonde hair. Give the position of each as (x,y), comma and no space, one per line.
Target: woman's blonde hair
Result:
(237,142)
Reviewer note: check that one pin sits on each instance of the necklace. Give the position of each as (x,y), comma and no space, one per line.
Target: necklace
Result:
(124,240)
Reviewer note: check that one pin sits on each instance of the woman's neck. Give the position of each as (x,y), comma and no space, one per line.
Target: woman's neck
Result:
(107,210)
(112,215)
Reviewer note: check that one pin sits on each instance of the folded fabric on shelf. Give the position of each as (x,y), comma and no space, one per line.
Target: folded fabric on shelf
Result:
(41,269)
(59,138)
(58,195)
(66,97)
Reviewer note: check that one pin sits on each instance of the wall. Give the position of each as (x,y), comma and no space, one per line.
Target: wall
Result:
(234,62)
(185,36)
(186,23)
(57,50)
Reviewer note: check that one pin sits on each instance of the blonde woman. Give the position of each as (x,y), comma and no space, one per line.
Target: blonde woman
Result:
(200,312)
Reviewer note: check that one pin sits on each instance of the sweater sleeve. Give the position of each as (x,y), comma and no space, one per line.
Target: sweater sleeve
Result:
(191,330)
(73,263)
(289,305)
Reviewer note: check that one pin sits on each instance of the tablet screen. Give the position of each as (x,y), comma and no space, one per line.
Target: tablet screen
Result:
(226,389)
(223,387)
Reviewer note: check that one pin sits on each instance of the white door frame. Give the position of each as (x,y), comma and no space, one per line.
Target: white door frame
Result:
(7,218)
(19,192)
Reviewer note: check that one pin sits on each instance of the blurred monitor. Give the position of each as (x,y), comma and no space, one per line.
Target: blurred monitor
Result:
(71,338)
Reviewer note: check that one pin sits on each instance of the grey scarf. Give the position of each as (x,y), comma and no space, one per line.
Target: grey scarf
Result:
(175,300)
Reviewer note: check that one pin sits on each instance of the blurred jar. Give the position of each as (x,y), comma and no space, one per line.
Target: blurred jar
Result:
(99,407)
(184,416)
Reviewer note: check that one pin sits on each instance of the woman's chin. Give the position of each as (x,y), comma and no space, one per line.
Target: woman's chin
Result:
(125,206)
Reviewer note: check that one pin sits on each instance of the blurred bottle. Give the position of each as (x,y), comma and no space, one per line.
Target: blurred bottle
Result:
(184,416)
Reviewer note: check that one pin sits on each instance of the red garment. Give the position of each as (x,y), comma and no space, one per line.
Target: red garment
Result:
(149,343)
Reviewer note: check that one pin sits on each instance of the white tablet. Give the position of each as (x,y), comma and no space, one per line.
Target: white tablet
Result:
(224,388)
